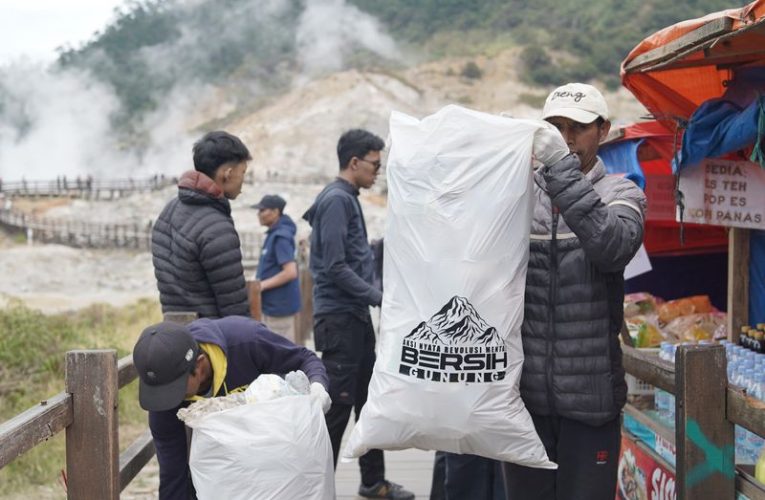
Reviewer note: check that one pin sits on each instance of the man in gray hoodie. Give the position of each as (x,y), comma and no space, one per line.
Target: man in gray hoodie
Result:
(342,267)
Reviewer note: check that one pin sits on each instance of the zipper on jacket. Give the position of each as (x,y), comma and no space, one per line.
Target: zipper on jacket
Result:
(551,311)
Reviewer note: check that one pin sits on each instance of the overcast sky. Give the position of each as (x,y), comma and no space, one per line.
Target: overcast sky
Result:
(34,28)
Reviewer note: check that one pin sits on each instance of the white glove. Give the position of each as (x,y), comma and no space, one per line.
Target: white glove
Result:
(549,146)
(319,393)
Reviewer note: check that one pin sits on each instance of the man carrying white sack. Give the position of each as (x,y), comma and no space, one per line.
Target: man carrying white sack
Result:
(178,364)
(586,227)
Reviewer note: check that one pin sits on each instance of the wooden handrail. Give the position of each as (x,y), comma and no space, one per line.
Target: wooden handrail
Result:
(89,375)
(126,372)
(740,409)
(648,367)
(135,457)
(28,429)
(745,411)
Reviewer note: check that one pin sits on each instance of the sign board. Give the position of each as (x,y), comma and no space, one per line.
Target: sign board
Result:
(641,476)
(724,193)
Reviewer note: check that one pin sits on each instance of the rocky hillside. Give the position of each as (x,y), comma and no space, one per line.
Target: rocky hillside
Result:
(296,134)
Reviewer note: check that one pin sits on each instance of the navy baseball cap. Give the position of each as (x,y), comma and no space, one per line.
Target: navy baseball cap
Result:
(271,201)
(164,357)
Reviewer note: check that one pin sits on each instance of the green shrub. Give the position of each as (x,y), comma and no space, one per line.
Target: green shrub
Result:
(471,71)
(32,359)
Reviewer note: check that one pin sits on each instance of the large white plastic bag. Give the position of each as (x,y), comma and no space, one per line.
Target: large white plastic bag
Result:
(456,250)
(272,450)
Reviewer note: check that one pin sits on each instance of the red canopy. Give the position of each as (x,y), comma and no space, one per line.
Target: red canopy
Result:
(679,67)
(662,233)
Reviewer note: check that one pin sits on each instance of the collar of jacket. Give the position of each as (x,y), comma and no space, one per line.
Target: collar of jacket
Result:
(285,226)
(347,186)
(597,172)
(199,182)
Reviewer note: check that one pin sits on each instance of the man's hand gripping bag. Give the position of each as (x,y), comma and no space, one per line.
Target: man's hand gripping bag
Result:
(456,247)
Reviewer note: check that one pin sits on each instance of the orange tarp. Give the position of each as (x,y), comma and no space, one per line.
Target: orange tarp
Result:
(692,72)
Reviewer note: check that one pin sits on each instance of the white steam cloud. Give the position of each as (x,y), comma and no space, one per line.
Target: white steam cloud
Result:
(58,122)
(330,29)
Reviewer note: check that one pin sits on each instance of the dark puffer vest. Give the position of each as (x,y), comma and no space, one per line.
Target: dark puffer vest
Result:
(196,252)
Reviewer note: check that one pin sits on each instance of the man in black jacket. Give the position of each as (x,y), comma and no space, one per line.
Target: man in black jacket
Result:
(195,247)
(586,227)
(342,267)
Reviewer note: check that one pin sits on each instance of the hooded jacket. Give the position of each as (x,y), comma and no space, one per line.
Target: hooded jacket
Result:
(342,265)
(249,349)
(196,252)
(585,230)
(279,249)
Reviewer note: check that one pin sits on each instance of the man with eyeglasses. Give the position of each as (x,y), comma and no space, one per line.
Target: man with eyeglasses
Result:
(342,267)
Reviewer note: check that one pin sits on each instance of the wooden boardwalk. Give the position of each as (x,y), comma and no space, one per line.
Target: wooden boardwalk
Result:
(410,468)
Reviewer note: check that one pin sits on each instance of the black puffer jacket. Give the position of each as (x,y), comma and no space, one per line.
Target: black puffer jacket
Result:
(585,230)
(196,252)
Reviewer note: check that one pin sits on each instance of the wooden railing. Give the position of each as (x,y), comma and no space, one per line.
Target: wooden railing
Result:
(706,410)
(83,234)
(87,187)
(87,412)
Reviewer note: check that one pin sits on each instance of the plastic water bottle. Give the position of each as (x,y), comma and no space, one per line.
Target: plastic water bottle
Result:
(732,368)
(660,396)
(742,455)
(755,387)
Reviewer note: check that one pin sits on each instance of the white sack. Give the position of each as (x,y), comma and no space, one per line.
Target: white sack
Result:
(456,248)
(271,450)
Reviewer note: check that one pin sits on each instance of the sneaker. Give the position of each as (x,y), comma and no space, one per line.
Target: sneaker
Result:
(385,489)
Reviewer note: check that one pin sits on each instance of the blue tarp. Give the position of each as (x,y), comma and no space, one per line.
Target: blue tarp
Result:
(757,277)
(718,127)
(726,124)
(622,158)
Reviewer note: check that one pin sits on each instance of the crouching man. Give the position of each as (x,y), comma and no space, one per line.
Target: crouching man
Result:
(178,364)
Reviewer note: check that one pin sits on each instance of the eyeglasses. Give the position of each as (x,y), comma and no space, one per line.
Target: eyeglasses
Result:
(376,164)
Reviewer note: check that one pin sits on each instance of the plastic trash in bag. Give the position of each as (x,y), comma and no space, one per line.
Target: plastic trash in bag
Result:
(456,249)
(268,443)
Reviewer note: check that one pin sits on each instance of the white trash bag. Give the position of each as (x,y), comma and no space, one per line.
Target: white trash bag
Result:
(456,248)
(276,447)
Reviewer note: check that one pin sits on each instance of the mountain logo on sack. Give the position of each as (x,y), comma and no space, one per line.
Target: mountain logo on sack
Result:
(454,345)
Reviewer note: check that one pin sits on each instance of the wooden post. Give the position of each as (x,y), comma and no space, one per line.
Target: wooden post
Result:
(305,316)
(705,439)
(738,282)
(92,443)
(253,290)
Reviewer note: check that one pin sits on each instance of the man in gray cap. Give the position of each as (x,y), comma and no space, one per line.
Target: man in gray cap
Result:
(277,268)
(586,227)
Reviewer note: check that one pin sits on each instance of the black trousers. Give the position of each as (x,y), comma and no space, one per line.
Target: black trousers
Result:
(587,459)
(460,477)
(347,343)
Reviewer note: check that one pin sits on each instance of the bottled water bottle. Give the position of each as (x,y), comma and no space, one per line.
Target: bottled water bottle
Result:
(754,442)
(660,396)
